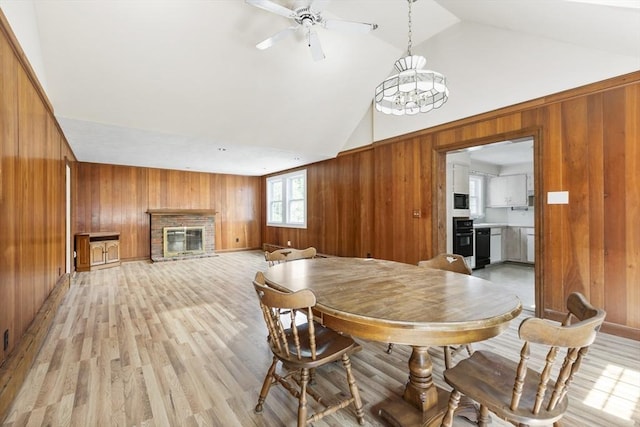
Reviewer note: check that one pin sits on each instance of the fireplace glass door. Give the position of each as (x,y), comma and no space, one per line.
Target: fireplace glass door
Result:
(180,241)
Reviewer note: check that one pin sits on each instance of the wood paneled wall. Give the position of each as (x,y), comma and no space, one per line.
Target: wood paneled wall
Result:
(586,143)
(116,198)
(339,215)
(33,155)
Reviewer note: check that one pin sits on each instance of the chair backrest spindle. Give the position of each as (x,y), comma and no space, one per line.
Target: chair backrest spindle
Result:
(521,374)
(544,378)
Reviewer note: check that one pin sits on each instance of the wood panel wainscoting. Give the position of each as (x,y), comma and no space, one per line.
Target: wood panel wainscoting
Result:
(33,158)
(165,344)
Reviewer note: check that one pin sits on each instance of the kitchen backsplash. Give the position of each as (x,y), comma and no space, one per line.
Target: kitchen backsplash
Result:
(508,216)
(521,217)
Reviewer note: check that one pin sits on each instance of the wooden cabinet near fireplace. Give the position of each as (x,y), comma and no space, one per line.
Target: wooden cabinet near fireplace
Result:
(97,250)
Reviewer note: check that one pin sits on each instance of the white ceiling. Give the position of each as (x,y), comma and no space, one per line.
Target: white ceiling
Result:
(179,84)
(504,153)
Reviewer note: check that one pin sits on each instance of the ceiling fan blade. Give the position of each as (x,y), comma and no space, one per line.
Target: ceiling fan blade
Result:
(272,7)
(314,45)
(349,26)
(267,43)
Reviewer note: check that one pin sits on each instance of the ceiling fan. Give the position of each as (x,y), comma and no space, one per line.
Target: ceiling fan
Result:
(306,15)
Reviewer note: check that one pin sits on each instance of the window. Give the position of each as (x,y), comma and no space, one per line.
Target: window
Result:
(476,193)
(287,200)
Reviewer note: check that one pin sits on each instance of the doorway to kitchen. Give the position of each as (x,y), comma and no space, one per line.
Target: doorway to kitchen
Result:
(498,180)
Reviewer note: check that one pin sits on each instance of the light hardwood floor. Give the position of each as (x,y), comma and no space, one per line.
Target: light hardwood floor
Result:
(183,344)
(518,277)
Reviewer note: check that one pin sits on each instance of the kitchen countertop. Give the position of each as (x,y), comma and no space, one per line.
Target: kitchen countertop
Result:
(497,225)
(489,225)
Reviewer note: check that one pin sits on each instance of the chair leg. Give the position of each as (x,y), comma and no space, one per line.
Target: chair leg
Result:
(353,388)
(389,348)
(483,417)
(266,385)
(454,400)
(447,356)
(302,400)
(469,349)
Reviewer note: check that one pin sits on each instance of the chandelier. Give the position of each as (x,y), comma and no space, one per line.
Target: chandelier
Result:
(411,90)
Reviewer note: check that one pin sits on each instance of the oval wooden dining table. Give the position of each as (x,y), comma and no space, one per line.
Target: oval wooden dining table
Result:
(393,302)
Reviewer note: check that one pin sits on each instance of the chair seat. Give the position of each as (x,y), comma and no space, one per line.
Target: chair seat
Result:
(330,346)
(488,378)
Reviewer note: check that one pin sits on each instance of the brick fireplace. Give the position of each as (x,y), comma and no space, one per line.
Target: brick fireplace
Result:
(171,219)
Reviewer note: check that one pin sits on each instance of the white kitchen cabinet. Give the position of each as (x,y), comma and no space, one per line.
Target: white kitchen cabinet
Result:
(496,189)
(507,191)
(512,246)
(496,245)
(531,239)
(519,244)
(460,178)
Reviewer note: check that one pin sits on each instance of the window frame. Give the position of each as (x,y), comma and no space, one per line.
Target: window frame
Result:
(286,181)
(478,195)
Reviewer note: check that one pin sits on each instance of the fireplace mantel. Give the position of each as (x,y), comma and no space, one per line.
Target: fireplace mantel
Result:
(201,212)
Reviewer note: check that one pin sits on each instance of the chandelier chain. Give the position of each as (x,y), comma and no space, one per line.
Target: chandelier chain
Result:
(409,45)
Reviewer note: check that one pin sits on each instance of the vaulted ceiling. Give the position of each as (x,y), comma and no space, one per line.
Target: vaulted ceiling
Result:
(179,84)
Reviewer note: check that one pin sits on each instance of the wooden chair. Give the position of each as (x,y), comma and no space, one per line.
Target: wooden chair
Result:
(449,262)
(289,254)
(514,391)
(457,264)
(302,347)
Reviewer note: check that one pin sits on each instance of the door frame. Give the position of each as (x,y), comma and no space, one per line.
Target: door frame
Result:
(439,180)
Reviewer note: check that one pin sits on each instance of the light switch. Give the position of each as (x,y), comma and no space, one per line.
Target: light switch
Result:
(558,198)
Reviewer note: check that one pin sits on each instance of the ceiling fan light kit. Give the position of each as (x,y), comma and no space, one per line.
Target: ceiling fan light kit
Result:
(411,90)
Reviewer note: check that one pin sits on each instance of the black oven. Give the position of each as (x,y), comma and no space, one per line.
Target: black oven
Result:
(463,236)
(460,201)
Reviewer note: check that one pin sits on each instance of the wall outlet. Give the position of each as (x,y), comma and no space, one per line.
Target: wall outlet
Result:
(237,240)
(5,340)
(289,243)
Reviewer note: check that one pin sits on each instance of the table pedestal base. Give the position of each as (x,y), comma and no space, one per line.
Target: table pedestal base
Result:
(422,404)
(400,413)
